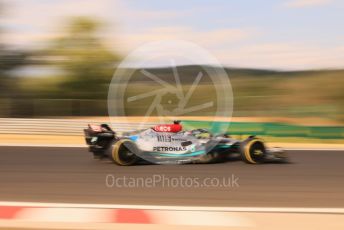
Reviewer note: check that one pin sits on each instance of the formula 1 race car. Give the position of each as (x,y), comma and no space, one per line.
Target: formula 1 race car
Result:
(169,144)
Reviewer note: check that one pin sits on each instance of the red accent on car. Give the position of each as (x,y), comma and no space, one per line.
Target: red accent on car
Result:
(172,128)
(95,128)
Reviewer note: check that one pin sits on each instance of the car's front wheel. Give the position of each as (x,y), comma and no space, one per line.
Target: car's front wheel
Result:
(253,151)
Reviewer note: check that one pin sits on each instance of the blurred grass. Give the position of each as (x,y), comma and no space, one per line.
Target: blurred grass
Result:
(301,140)
(257,93)
(262,93)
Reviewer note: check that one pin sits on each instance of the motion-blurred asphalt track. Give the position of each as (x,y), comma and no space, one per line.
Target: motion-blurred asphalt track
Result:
(48,174)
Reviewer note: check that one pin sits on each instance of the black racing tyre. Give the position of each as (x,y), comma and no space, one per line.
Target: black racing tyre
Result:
(122,152)
(253,151)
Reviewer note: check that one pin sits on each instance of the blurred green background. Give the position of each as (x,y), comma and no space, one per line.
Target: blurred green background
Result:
(81,67)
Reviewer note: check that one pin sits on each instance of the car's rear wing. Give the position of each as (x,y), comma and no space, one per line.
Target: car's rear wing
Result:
(99,135)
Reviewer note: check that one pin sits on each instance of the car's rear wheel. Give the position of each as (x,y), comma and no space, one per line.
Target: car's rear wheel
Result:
(123,152)
(253,151)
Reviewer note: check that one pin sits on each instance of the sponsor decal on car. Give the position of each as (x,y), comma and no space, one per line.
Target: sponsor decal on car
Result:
(169,138)
(164,138)
(169,148)
(163,128)
(192,148)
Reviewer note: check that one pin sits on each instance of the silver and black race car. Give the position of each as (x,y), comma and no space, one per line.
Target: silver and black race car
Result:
(169,144)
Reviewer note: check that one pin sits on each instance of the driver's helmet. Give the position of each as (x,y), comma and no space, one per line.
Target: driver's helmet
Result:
(201,133)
